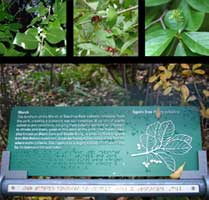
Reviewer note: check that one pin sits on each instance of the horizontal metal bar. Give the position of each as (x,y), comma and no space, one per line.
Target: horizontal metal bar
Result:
(82,187)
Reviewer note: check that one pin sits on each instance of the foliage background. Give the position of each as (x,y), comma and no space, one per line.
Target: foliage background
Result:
(33,28)
(105,28)
(103,84)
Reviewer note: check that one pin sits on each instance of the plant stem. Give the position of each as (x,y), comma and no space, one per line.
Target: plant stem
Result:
(119,13)
(160,19)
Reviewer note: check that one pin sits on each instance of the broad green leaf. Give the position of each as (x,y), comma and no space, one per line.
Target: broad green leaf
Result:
(158,41)
(41,9)
(60,9)
(194,19)
(103,38)
(149,3)
(197,42)
(27,40)
(112,17)
(148,142)
(165,131)
(93,5)
(13,52)
(180,51)
(201,5)
(167,159)
(48,50)
(55,34)
(127,44)
(175,20)
(2,48)
(99,51)
(14,26)
(177,147)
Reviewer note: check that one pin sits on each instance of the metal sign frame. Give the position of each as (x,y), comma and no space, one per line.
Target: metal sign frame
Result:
(191,183)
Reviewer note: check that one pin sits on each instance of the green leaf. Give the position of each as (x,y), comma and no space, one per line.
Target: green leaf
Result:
(55,34)
(60,9)
(93,5)
(197,42)
(151,14)
(13,52)
(94,48)
(2,48)
(193,18)
(127,44)
(158,41)
(149,3)
(112,17)
(14,26)
(27,40)
(47,50)
(103,38)
(180,51)
(201,5)
(175,20)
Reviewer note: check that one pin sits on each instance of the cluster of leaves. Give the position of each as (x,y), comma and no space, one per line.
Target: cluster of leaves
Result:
(106,28)
(178,28)
(160,143)
(179,78)
(8,28)
(44,36)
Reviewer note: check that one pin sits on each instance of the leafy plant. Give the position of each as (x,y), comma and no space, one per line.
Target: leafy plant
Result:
(160,143)
(46,34)
(178,28)
(105,28)
(8,28)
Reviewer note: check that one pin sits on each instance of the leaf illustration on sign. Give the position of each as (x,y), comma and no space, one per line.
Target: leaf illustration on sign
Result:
(159,144)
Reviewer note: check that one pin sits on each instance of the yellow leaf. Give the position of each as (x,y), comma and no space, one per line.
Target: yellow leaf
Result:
(166,75)
(205,112)
(153,78)
(175,82)
(185,66)
(157,85)
(177,174)
(206,93)
(158,113)
(187,72)
(161,68)
(171,66)
(195,66)
(167,91)
(177,88)
(199,71)
(185,92)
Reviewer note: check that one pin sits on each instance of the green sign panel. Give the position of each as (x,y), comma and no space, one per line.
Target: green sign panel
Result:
(104,141)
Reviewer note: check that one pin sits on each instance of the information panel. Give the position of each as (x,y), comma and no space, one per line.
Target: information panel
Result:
(104,141)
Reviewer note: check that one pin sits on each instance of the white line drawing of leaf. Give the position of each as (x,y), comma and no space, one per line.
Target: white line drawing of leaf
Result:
(152,129)
(168,160)
(181,137)
(148,142)
(165,131)
(177,147)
